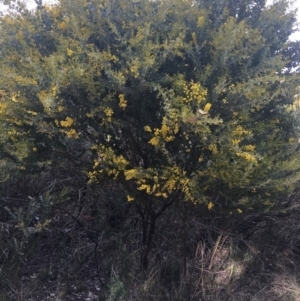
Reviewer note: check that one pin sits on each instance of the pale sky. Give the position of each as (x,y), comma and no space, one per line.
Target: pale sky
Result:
(295,36)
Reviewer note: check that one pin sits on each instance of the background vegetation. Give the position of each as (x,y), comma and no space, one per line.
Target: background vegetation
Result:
(149,151)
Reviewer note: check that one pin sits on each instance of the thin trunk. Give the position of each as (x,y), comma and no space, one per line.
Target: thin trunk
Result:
(149,217)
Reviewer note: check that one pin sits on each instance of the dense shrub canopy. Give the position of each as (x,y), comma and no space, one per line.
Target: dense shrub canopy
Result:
(175,100)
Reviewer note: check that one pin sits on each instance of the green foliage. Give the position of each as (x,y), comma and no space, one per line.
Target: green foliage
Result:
(117,289)
(172,99)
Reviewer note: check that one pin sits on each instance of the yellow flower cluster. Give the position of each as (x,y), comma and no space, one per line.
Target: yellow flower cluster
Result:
(69,52)
(42,94)
(207,107)
(71,133)
(130,198)
(238,134)
(13,133)
(14,97)
(201,21)
(32,113)
(46,99)
(235,141)
(194,91)
(25,81)
(154,141)
(60,108)
(53,90)
(16,121)
(291,140)
(123,102)
(134,68)
(62,25)
(247,157)
(147,128)
(120,161)
(111,164)
(249,148)
(131,174)
(3,107)
(213,148)
(108,112)
(109,57)
(153,189)
(237,137)
(166,133)
(67,123)
(119,76)
(56,10)
(239,131)
(210,205)
(194,38)
(159,184)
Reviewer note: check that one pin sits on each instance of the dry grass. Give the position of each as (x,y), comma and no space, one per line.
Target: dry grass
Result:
(286,287)
(95,261)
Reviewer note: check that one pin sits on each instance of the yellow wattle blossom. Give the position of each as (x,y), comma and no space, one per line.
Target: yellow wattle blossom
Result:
(54,90)
(239,131)
(169,138)
(207,107)
(164,133)
(194,37)
(147,128)
(235,141)
(130,198)
(32,113)
(247,157)
(130,174)
(134,68)
(213,148)
(24,81)
(69,52)
(96,163)
(62,25)
(123,102)
(291,140)
(163,194)
(3,107)
(119,160)
(249,148)
(164,130)
(109,57)
(154,141)
(200,21)
(194,91)
(71,134)
(108,112)
(68,122)
(60,108)
(46,99)
(145,187)
(55,11)
(14,98)
(170,185)
(210,205)
(16,121)
(176,128)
